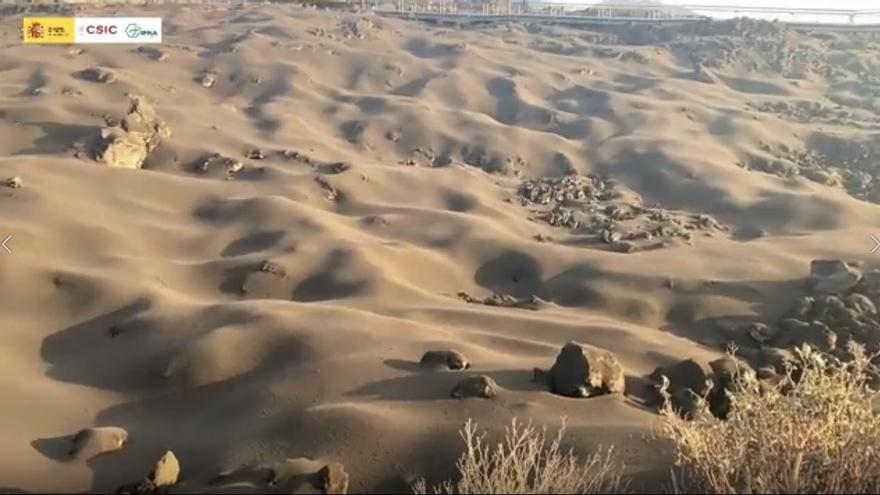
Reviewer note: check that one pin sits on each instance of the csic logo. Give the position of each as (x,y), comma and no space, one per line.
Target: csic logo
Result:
(135,31)
(101,29)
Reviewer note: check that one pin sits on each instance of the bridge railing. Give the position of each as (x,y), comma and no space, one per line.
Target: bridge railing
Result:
(611,10)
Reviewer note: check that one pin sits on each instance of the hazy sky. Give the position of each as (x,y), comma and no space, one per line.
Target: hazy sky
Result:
(818,4)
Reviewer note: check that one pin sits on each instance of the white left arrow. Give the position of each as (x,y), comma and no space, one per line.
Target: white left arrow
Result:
(9,238)
(876,243)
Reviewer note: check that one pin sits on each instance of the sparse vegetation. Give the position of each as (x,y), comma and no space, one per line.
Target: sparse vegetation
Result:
(526,461)
(813,431)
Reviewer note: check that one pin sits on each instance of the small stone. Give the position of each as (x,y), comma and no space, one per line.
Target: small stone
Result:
(777,359)
(821,337)
(610,237)
(871,281)
(92,442)
(706,221)
(14,182)
(822,177)
(624,247)
(295,468)
(803,307)
(725,370)
(273,268)
(255,154)
(686,403)
(761,332)
(334,479)
(687,374)
(166,471)
(142,487)
(861,304)
(480,386)
(98,75)
(218,161)
(793,325)
(450,359)
(207,80)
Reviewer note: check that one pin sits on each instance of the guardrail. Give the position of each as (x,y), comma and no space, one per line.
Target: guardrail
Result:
(611,10)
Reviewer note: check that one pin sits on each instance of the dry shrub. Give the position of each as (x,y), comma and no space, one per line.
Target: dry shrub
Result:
(524,462)
(813,432)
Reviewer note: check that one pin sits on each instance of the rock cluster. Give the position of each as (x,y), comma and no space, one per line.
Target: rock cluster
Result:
(840,305)
(811,112)
(140,132)
(504,301)
(216,161)
(687,384)
(330,192)
(615,218)
(853,167)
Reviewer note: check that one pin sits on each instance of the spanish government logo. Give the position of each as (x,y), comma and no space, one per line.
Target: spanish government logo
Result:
(48,30)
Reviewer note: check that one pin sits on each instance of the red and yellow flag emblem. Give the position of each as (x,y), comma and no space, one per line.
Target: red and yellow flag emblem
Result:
(48,30)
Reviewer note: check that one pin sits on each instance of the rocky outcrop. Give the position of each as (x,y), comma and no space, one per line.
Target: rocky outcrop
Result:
(581,371)
(139,133)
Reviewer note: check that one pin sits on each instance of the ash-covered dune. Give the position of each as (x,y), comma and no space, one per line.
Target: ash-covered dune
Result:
(238,245)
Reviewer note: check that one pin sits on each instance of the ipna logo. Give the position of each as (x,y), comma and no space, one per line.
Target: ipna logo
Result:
(135,31)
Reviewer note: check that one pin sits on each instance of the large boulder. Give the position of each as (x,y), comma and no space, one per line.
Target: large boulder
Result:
(140,132)
(832,276)
(581,371)
(143,123)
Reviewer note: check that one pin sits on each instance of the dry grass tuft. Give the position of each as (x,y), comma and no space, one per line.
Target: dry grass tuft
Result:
(813,432)
(524,462)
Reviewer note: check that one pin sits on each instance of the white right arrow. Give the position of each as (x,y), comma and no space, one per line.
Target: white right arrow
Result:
(876,244)
(9,237)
